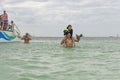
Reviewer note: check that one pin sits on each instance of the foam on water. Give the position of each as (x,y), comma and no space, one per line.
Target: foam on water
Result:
(48,60)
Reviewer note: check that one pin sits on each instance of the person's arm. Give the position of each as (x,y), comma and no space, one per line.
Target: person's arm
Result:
(30,38)
(63,41)
(76,40)
(22,37)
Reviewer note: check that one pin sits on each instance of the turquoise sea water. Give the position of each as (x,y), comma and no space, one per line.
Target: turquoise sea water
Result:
(90,59)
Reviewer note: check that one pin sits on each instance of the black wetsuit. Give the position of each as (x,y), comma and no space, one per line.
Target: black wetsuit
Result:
(71,32)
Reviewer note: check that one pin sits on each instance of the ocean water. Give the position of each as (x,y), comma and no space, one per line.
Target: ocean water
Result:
(46,59)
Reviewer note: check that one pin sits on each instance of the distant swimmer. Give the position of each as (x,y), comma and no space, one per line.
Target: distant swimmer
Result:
(26,38)
(68,41)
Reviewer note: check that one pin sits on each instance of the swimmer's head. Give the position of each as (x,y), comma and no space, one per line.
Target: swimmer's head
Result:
(4,11)
(11,21)
(27,34)
(68,35)
(69,27)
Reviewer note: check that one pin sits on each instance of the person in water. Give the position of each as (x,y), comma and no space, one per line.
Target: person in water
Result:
(69,41)
(26,38)
(69,29)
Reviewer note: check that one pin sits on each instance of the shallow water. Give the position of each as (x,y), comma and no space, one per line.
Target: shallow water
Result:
(90,59)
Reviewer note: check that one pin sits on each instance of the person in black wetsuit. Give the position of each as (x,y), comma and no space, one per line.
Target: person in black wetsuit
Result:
(69,29)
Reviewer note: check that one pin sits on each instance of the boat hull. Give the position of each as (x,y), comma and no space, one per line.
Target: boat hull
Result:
(6,35)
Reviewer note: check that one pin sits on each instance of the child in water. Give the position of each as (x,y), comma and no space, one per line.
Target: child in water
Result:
(70,30)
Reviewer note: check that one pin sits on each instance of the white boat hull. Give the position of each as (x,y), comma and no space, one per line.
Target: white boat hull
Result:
(8,36)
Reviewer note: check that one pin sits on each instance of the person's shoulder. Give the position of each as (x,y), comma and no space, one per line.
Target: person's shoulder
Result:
(65,38)
(73,38)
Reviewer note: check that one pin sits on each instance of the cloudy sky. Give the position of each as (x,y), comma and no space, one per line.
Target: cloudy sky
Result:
(50,17)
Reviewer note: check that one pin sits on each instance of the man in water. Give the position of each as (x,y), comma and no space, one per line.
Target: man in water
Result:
(70,30)
(26,38)
(68,41)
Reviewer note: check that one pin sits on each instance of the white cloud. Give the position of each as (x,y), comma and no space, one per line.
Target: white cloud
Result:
(88,16)
(27,4)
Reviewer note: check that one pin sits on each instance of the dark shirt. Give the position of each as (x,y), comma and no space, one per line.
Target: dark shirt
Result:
(71,32)
(68,31)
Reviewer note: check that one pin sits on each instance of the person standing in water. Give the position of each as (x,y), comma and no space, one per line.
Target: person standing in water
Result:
(26,38)
(68,41)
(70,30)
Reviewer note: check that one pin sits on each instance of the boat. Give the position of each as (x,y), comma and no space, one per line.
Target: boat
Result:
(7,35)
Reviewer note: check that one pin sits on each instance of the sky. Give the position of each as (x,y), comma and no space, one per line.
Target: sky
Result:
(92,18)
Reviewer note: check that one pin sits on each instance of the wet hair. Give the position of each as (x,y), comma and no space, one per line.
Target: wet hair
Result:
(67,33)
(69,26)
(27,33)
(11,21)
